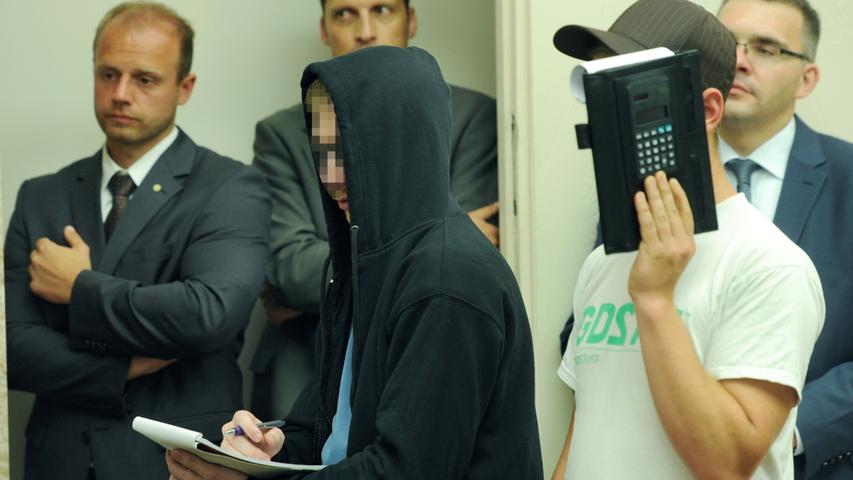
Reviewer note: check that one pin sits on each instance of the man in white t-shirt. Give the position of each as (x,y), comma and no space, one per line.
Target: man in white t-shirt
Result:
(689,356)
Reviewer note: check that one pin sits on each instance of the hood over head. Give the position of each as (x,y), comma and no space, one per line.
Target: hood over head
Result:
(394,118)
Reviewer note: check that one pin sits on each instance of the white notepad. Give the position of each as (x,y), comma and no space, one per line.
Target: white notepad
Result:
(176,438)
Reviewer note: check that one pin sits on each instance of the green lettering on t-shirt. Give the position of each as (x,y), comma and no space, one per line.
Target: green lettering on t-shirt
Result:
(586,321)
(628,308)
(596,324)
(596,335)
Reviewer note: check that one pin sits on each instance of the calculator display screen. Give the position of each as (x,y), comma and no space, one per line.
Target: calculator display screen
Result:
(652,114)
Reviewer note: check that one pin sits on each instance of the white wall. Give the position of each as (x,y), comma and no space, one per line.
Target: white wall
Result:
(553,186)
(828,108)
(249,58)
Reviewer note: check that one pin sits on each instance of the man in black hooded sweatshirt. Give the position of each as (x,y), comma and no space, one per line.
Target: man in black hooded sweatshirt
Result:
(426,360)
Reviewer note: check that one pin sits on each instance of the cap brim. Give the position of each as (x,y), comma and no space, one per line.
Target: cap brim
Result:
(579,42)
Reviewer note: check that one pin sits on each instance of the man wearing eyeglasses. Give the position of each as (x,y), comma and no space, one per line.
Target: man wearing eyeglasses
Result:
(804,182)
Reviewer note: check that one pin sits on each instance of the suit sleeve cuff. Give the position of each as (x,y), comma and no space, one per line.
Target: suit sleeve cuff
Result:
(85,313)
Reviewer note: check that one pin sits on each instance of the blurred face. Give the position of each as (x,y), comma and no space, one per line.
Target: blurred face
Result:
(766,86)
(136,87)
(348,25)
(325,144)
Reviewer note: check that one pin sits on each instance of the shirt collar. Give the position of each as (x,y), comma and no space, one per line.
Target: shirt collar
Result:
(771,155)
(140,168)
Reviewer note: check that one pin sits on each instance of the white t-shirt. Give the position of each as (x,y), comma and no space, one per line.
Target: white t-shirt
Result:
(753,305)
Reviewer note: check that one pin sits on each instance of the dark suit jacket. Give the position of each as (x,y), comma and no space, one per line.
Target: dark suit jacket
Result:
(816,211)
(177,280)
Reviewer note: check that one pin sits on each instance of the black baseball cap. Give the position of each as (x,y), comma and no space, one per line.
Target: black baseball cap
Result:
(675,24)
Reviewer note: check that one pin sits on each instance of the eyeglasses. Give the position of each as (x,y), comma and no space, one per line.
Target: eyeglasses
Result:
(759,50)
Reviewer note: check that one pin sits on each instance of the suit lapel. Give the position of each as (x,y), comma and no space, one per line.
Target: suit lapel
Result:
(86,206)
(804,178)
(162,183)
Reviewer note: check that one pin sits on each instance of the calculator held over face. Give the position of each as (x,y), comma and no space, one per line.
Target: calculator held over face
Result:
(646,117)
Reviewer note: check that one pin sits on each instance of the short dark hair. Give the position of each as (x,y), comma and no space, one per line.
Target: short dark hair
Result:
(323,4)
(811,24)
(145,11)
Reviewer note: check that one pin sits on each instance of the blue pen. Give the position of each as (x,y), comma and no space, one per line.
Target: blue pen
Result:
(263,425)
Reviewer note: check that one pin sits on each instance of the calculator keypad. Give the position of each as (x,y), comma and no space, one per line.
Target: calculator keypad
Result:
(655,149)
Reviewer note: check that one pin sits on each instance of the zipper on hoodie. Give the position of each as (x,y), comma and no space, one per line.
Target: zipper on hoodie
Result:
(328,285)
(355,303)
(318,441)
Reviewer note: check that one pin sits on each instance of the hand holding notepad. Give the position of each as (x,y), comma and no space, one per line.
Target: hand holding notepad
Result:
(173,437)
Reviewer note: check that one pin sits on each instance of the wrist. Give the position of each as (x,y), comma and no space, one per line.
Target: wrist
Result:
(652,305)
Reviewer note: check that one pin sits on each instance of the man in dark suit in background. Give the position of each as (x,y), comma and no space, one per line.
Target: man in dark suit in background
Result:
(283,362)
(803,180)
(130,274)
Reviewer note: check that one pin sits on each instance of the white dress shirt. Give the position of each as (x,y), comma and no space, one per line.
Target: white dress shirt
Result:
(772,157)
(137,171)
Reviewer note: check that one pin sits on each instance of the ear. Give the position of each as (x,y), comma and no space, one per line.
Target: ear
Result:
(185,89)
(809,80)
(324,35)
(413,23)
(712,98)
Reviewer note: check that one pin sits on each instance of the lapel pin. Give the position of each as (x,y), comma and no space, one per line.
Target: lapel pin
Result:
(157,187)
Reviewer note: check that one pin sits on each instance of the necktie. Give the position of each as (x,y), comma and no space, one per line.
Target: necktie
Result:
(121,186)
(743,170)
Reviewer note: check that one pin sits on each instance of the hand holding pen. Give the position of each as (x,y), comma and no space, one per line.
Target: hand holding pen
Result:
(246,434)
(238,430)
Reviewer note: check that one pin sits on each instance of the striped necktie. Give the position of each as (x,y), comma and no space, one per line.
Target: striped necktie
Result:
(121,186)
(743,170)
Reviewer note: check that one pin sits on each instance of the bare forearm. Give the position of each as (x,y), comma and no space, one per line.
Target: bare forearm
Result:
(706,425)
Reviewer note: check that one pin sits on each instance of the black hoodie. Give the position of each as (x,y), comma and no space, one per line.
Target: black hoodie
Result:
(442,381)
